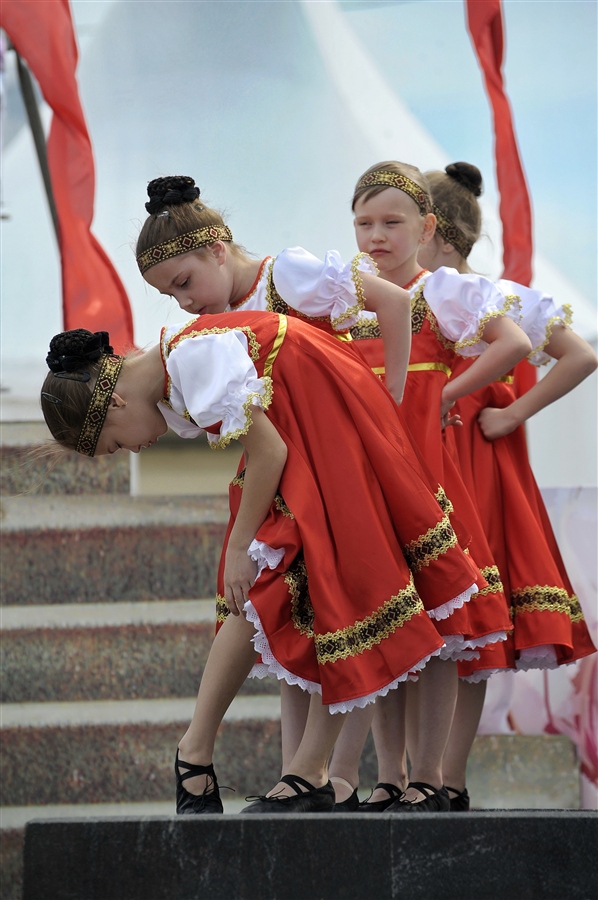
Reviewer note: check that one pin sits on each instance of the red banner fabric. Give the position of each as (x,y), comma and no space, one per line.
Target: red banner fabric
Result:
(93,295)
(484,20)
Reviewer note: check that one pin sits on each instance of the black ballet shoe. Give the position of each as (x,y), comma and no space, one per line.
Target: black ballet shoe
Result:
(310,801)
(460,802)
(437,800)
(380,805)
(351,803)
(188,804)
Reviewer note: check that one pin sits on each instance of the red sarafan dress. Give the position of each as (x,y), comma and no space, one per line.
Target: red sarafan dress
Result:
(433,357)
(355,537)
(549,626)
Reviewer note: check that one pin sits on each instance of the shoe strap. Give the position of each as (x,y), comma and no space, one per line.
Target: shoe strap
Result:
(193,770)
(456,792)
(391,789)
(423,786)
(344,781)
(295,780)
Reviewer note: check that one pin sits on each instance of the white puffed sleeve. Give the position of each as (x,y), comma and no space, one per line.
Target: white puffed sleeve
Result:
(539,316)
(463,306)
(330,288)
(213,380)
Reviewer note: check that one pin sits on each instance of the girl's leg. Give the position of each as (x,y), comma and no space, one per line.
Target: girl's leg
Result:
(388,728)
(437,695)
(468,711)
(294,708)
(230,660)
(348,749)
(311,759)
(412,717)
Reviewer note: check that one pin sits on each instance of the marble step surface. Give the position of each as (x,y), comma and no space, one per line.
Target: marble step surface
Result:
(108,651)
(110,548)
(27,465)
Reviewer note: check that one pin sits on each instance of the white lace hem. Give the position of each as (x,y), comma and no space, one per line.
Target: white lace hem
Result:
(542,657)
(271,666)
(481,675)
(444,611)
(264,555)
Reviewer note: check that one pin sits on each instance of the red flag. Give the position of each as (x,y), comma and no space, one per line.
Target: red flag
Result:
(484,19)
(93,296)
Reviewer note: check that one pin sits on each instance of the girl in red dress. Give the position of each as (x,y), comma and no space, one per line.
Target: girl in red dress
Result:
(334,532)
(299,285)
(490,448)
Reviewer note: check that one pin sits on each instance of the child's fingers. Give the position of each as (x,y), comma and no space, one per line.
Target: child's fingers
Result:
(231,600)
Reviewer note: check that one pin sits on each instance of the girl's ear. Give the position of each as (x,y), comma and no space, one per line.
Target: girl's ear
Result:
(428,229)
(219,251)
(117,402)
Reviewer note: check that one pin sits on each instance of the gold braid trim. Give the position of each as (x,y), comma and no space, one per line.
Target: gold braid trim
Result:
(357,280)
(364,329)
(546,598)
(252,341)
(555,320)
(98,405)
(402,183)
(430,546)
(443,501)
(492,576)
(302,612)
(265,401)
(366,633)
(239,481)
(184,243)
(222,610)
(452,233)
(510,300)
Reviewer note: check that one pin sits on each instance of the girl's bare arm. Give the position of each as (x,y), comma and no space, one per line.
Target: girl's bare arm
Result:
(392,306)
(265,458)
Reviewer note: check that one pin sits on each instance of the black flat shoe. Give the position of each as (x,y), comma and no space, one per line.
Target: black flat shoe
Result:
(351,804)
(460,802)
(196,804)
(380,805)
(310,801)
(435,800)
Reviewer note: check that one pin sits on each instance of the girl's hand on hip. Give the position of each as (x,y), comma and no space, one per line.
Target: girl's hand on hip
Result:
(240,572)
(496,423)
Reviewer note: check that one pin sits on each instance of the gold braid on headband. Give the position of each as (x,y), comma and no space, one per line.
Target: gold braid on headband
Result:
(191,240)
(452,233)
(98,405)
(393,179)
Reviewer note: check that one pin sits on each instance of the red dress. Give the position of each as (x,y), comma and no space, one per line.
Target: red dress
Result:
(549,626)
(355,537)
(431,362)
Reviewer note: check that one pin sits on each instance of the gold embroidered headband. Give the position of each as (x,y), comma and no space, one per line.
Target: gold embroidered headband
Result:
(452,233)
(98,406)
(393,179)
(191,240)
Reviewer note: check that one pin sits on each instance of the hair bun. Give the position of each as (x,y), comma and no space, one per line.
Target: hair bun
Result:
(170,191)
(73,350)
(467,175)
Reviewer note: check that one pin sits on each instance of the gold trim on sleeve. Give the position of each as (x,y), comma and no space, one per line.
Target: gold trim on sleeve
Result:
(357,280)
(555,320)
(265,401)
(510,300)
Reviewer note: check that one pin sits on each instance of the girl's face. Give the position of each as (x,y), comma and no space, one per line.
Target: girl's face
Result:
(130,425)
(199,282)
(390,229)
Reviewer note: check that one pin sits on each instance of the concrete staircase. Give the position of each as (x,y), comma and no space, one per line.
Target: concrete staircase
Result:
(108,616)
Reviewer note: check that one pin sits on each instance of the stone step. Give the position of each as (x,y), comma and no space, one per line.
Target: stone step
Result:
(103,548)
(111,751)
(388,857)
(110,651)
(28,467)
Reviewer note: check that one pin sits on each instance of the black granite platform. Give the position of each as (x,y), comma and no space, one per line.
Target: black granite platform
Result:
(520,855)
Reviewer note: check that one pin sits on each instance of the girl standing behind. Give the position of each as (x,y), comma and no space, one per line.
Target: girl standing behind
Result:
(492,454)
